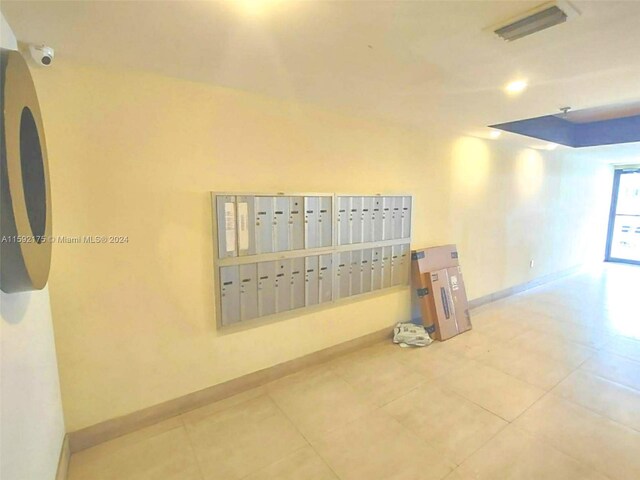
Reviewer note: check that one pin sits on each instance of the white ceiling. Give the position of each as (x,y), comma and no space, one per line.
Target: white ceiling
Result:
(411,62)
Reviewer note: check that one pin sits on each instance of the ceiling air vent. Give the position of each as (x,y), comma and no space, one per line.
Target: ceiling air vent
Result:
(545,16)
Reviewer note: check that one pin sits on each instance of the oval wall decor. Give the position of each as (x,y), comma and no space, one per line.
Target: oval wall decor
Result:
(25,219)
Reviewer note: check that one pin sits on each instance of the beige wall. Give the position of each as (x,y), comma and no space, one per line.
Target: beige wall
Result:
(136,154)
(32,427)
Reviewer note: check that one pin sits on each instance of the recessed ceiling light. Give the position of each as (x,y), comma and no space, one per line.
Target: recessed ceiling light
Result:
(255,8)
(495,134)
(516,86)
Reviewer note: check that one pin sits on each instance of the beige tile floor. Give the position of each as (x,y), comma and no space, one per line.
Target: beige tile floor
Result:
(546,386)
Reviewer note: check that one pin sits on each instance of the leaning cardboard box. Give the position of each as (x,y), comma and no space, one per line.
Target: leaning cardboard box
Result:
(439,298)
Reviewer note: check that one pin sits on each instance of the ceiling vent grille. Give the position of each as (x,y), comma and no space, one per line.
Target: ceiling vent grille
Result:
(545,16)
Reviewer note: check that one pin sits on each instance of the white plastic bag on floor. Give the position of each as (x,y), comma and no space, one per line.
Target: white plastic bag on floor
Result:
(410,334)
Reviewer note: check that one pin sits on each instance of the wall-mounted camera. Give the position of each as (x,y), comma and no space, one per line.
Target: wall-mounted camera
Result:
(42,55)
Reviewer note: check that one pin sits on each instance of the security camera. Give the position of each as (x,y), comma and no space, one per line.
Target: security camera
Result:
(42,55)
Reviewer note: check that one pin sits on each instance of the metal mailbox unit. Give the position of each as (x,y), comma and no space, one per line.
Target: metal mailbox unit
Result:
(297,283)
(280,252)
(325,278)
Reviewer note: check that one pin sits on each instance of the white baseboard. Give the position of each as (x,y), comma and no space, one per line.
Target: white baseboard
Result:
(63,461)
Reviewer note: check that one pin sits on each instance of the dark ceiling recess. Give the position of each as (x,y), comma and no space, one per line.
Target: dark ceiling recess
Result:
(552,128)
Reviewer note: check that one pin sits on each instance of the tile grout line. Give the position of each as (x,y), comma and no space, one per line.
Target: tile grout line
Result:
(325,462)
(547,392)
(329,431)
(526,381)
(443,387)
(304,436)
(193,449)
(376,408)
(413,389)
(508,375)
(606,417)
(601,377)
(363,394)
(633,359)
(244,477)
(544,439)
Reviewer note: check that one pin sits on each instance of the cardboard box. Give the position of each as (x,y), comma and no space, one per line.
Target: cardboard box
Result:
(422,308)
(459,297)
(435,258)
(439,299)
(445,320)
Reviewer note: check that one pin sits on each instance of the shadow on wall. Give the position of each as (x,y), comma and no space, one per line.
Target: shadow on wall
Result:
(14,306)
